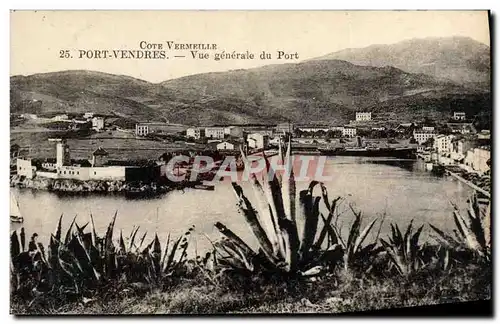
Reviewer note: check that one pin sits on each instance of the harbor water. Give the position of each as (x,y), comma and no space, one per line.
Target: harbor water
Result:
(399,189)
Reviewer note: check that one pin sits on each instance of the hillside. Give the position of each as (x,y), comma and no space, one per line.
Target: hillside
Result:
(326,91)
(81,91)
(313,91)
(459,59)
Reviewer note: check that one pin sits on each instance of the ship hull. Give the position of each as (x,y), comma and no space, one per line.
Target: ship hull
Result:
(397,153)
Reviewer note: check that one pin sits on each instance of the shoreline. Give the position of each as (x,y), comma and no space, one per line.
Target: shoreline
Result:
(77,187)
(469,183)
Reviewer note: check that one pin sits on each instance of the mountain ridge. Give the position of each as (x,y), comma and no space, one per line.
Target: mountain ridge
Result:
(460,59)
(309,91)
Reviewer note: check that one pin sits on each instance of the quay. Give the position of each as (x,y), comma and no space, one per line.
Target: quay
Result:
(467,182)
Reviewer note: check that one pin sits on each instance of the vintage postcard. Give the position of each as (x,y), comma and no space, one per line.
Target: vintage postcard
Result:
(242,162)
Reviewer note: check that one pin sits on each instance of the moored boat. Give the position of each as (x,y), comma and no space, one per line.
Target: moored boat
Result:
(15,211)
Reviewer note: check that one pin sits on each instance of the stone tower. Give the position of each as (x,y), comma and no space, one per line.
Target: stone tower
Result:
(62,153)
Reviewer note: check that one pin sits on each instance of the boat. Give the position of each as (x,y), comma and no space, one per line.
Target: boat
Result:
(203,186)
(15,212)
(370,152)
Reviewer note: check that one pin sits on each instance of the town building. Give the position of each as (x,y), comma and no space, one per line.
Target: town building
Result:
(25,168)
(477,159)
(363,116)
(99,157)
(29,116)
(257,141)
(442,144)
(233,131)
(460,146)
(459,115)
(194,132)
(428,128)
(310,140)
(337,128)
(482,156)
(462,128)
(283,128)
(484,134)
(225,146)
(349,132)
(62,117)
(313,129)
(97,123)
(214,132)
(422,136)
(143,129)
(264,131)
(63,168)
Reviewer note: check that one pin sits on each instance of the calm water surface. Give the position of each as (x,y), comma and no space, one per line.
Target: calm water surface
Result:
(399,189)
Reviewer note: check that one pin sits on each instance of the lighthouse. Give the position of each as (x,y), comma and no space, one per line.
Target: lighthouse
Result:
(62,152)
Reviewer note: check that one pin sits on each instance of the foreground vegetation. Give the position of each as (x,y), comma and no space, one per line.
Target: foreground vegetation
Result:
(303,262)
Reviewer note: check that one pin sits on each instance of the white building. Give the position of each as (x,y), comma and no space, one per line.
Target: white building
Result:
(477,159)
(349,132)
(29,116)
(458,115)
(422,136)
(363,116)
(24,168)
(144,129)
(194,133)
(442,143)
(98,123)
(88,115)
(428,128)
(337,128)
(257,140)
(460,148)
(225,146)
(283,128)
(313,129)
(481,157)
(60,117)
(214,132)
(234,131)
(484,134)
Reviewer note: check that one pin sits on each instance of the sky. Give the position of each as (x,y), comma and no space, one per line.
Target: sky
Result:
(38,37)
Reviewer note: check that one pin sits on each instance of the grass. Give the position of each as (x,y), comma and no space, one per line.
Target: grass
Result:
(346,293)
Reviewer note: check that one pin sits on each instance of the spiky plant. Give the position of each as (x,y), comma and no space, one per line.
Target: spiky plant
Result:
(356,256)
(81,261)
(472,233)
(404,251)
(273,221)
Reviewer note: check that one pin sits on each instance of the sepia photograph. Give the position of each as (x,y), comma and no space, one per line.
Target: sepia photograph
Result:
(250,162)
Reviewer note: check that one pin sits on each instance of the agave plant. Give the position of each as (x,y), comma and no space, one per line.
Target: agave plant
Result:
(273,221)
(82,260)
(404,251)
(357,256)
(472,233)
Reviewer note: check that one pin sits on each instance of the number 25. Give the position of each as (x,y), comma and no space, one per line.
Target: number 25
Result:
(63,54)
